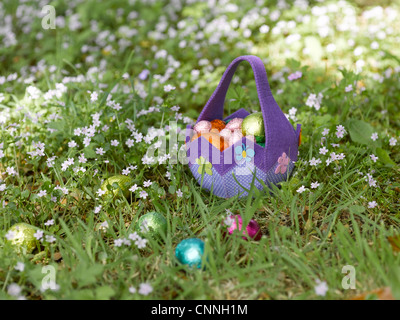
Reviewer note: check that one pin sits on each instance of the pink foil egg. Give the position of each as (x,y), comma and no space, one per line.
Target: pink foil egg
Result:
(236,136)
(226,134)
(202,126)
(252,230)
(234,124)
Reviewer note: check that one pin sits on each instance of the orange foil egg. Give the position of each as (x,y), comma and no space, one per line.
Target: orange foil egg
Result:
(217,124)
(195,136)
(300,137)
(215,139)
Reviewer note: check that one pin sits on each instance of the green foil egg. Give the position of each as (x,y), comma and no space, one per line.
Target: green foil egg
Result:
(152,224)
(23,237)
(123,182)
(253,125)
(190,252)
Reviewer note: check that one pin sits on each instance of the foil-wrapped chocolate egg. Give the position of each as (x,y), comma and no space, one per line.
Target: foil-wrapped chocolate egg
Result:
(216,140)
(123,183)
(21,236)
(235,123)
(202,126)
(190,252)
(152,224)
(252,230)
(195,136)
(236,136)
(217,124)
(227,135)
(253,124)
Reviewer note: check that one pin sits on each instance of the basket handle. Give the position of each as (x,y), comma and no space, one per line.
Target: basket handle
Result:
(278,130)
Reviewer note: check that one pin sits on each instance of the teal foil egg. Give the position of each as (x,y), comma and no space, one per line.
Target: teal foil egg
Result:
(190,252)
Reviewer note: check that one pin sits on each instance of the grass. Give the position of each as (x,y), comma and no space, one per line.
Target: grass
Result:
(307,236)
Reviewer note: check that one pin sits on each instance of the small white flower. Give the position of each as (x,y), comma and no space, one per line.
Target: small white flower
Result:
(143,194)
(49,222)
(372,204)
(20,266)
(129,143)
(118,242)
(349,88)
(133,188)
(97,209)
(168,88)
(100,192)
(94,96)
(179,193)
(42,193)
(314,185)
(323,151)
(10,235)
(321,288)
(373,157)
(374,136)
(392,142)
(229,220)
(50,239)
(141,243)
(82,158)
(134,236)
(301,189)
(14,290)
(314,162)
(145,289)
(132,290)
(114,143)
(38,234)
(72,144)
(104,225)
(147,183)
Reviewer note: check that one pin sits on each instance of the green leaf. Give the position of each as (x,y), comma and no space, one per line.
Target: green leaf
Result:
(86,275)
(104,293)
(384,157)
(59,126)
(89,153)
(99,138)
(172,189)
(357,209)
(361,132)
(25,194)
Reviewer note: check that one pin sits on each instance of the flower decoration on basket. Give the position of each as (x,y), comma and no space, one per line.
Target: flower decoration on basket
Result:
(244,153)
(265,142)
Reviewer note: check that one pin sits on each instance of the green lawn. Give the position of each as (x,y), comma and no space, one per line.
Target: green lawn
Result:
(85,101)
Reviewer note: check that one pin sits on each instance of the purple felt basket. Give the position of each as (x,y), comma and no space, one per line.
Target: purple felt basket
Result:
(236,169)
